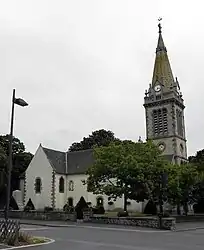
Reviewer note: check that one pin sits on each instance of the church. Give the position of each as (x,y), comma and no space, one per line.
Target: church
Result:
(54,178)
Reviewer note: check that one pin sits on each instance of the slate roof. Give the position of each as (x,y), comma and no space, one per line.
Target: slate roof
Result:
(77,162)
(57,160)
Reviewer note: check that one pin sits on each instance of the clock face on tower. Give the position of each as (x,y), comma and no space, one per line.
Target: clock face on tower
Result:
(157,88)
(161,146)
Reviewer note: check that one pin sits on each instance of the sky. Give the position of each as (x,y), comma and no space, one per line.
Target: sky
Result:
(83,65)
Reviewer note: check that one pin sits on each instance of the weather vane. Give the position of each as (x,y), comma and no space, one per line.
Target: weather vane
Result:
(159,25)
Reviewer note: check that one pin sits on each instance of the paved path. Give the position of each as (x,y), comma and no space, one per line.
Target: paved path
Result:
(84,238)
(190,225)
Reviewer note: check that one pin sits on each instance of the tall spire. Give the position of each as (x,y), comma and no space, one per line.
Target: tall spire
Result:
(162,69)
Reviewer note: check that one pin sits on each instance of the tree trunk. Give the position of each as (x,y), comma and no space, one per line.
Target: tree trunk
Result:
(178,209)
(125,202)
(185,207)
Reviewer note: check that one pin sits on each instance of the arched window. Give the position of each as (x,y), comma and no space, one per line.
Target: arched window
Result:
(71,186)
(38,185)
(70,201)
(61,185)
(99,201)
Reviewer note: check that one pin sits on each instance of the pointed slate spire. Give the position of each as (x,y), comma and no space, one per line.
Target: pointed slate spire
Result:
(162,69)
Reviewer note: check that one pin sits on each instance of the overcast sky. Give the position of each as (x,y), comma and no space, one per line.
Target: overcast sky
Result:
(84,65)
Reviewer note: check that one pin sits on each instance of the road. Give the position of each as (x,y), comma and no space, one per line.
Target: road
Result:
(115,238)
(110,237)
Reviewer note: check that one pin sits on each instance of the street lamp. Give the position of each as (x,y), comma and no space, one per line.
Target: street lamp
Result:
(22,103)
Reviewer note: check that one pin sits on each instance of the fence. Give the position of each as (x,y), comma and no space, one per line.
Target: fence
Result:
(9,231)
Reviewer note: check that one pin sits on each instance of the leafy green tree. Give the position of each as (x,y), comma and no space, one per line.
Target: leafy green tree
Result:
(181,186)
(198,160)
(98,138)
(21,159)
(3,162)
(128,169)
(198,192)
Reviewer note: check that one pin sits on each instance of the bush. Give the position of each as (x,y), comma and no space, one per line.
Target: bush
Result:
(150,208)
(199,207)
(110,203)
(80,207)
(68,209)
(48,209)
(99,210)
(13,204)
(122,214)
(29,206)
(166,214)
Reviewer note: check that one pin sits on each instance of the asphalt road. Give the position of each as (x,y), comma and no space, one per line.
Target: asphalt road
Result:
(110,238)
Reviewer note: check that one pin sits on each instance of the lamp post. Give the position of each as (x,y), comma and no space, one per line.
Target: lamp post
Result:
(22,103)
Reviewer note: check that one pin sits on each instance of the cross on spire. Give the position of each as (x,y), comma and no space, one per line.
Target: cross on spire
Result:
(159,25)
(160,28)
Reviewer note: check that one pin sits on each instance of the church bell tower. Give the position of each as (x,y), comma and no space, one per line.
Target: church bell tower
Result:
(164,108)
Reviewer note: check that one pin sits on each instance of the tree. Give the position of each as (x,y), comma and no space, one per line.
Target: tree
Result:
(198,192)
(3,162)
(128,169)
(182,184)
(98,138)
(198,160)
(21,159)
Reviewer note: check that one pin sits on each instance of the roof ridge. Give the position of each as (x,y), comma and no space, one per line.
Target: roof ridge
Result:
(83,150)
(54,150)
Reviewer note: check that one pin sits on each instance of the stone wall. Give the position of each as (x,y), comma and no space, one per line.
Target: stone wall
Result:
(151,222)
(41,215)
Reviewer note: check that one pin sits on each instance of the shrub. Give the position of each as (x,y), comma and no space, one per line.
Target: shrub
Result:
(13,204)
(23,237)
(99,210)
(29,206)
(48,209)
(68,209)
(150,208)
(199,207)
(122,214)
(80,207)
(110,203)
(27,239)
(166,214)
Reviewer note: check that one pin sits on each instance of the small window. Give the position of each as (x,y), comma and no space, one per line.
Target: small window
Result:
(70,201)
(71,186)
(38,185)
(61,185)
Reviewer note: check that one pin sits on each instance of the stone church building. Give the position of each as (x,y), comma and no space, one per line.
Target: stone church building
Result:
(54,178)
